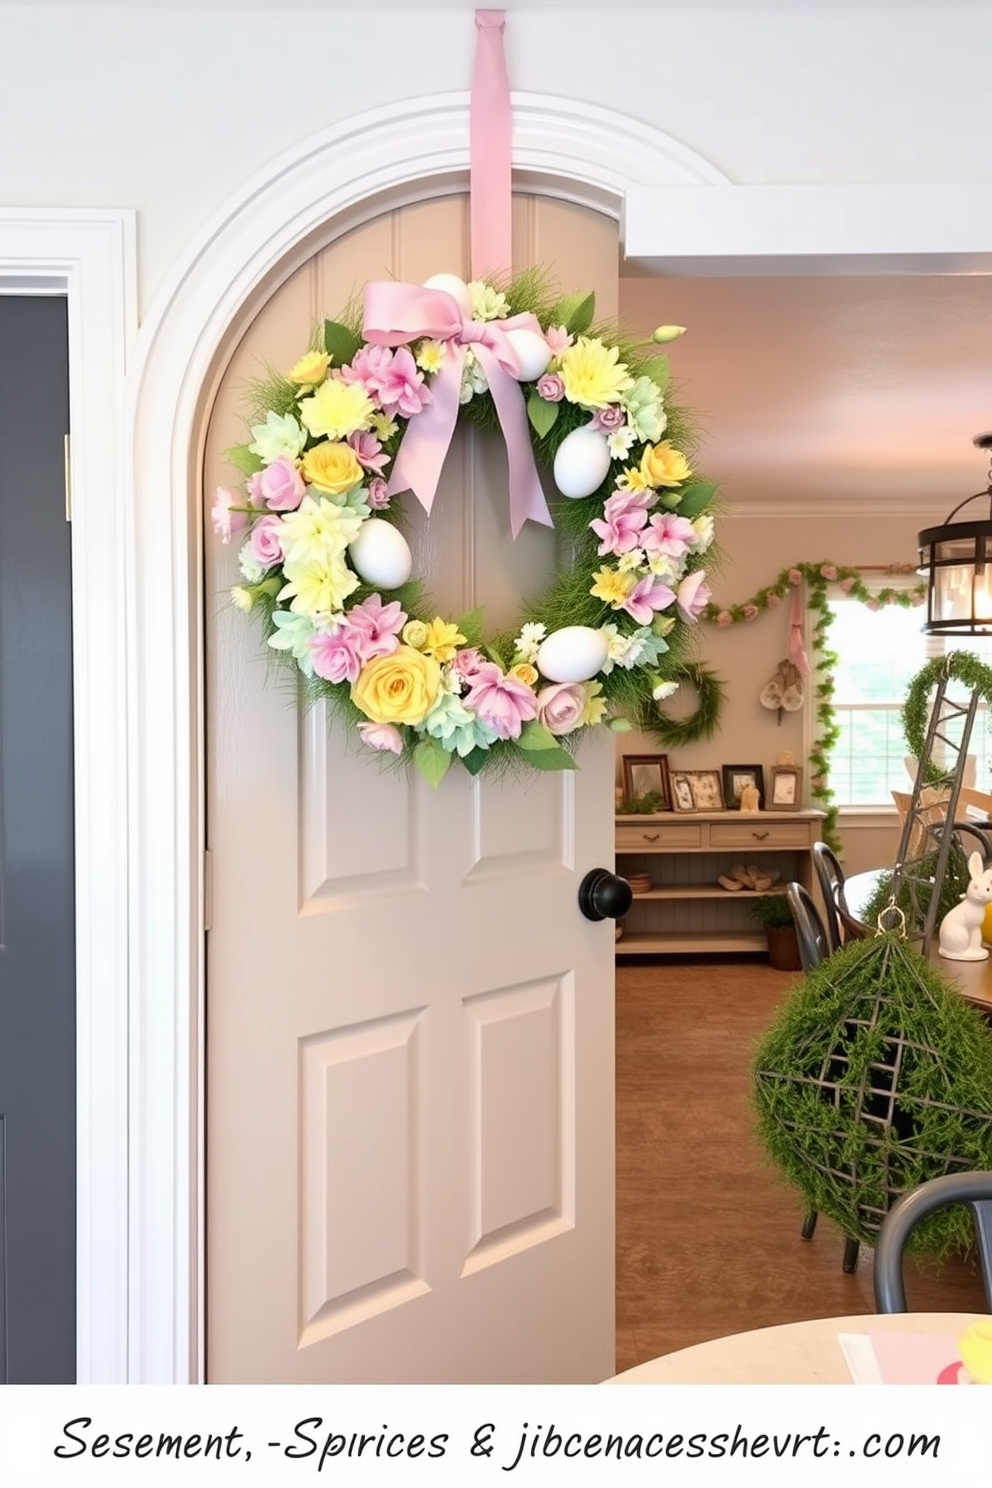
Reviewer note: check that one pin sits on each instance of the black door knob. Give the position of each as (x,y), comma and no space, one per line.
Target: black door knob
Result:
(602,895)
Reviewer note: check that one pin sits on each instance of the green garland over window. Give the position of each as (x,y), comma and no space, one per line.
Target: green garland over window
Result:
(818,578)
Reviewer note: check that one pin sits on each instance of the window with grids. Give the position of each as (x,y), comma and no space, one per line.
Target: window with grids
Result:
(878,654)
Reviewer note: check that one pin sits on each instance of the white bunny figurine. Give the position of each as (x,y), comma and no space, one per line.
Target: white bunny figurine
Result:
(961,927)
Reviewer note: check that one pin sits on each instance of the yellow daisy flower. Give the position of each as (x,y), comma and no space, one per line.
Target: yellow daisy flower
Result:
(633,479)
(443,639)
(595,708)
(430,356)
(593,374)
(336,410)
(611,586)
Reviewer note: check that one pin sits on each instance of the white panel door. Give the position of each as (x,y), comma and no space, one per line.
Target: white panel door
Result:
(409,1023)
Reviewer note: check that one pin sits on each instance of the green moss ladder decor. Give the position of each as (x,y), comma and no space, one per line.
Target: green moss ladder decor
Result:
(963,667)
(876,1075)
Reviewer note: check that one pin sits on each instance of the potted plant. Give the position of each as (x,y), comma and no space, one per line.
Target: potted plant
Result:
(773,912)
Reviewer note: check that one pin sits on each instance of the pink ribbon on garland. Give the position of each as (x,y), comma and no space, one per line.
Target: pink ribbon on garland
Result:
(396,314)
(797,650)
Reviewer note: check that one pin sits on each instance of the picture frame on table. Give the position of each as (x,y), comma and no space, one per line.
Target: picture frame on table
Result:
(647,775)
(785,788)
(696,790)
(735,777)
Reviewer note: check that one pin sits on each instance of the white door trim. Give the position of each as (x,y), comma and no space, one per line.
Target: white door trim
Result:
(89,257)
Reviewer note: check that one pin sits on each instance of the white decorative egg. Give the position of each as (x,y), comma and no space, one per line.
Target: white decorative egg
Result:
(455,287)
(573,654)
(532,353)
(381,554)
(582,462)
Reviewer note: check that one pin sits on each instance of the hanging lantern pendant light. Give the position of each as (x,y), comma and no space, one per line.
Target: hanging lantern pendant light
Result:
(957,560)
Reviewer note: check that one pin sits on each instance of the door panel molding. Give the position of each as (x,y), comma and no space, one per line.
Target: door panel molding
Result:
(88,255)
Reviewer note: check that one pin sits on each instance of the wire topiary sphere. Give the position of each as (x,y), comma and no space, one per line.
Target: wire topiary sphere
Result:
(875,1076)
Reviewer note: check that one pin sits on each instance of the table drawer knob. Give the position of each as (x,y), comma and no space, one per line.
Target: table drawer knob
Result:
(651,836)
(759,836)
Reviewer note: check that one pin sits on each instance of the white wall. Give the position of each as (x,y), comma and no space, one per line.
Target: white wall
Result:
(170,110)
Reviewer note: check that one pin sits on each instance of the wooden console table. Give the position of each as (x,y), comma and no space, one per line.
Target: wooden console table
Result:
(686,910)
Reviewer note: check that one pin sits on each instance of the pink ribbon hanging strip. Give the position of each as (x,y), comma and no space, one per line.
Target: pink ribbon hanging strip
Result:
(797,650)
(396,314)
(490,147)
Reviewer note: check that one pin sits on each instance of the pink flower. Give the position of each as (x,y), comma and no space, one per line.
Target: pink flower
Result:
(376,493)
(608,419)
(550,387)
(466,663)
(335,653)
(872,604)
(227,520)
(917,599)
(557,338)
(795,577)
(279,486)
(560,707)
(623,517)
(368,366)
(401,385)
(848,584)
(750,612)
(265,541)
(648,595)
(828,571)
(378,626)
(693,596)
(368,451)
(724,619)
(382,736)
(668,534)
(502,701)
(773,599)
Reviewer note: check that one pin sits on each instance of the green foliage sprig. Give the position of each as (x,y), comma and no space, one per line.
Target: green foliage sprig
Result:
(818,578)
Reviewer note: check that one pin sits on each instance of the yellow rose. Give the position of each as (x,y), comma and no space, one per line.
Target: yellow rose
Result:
(399,688)
(310,369)
(332,467)
(415,633)
(525,673)
(663,465)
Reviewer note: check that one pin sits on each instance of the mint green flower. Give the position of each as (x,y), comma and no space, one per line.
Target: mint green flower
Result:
(281,434)
(645,412)
(450,722)
(293,634)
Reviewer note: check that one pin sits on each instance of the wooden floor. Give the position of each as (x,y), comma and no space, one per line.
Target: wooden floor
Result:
(707,1236)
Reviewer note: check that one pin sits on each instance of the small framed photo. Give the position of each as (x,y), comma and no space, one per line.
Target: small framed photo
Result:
(786,788)
(696,790)
(682,792)
(646,781)
(735,778)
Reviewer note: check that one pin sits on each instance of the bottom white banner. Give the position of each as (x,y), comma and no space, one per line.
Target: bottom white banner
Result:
(482,1435)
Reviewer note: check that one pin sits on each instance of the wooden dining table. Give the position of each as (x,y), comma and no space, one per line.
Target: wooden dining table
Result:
(972,978)
(803,1353)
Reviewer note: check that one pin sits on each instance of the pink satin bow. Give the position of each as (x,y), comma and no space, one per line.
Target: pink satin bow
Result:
(797,650)
(396,314)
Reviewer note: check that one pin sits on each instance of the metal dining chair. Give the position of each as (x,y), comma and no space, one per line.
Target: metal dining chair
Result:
(973,1189)
(830,877)
(814,943)
(814,947)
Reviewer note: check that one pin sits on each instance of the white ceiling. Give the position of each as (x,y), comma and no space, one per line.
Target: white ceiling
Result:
(864,389)
(508,5)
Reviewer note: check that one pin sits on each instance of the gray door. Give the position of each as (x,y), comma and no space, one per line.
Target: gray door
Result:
(37,952)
